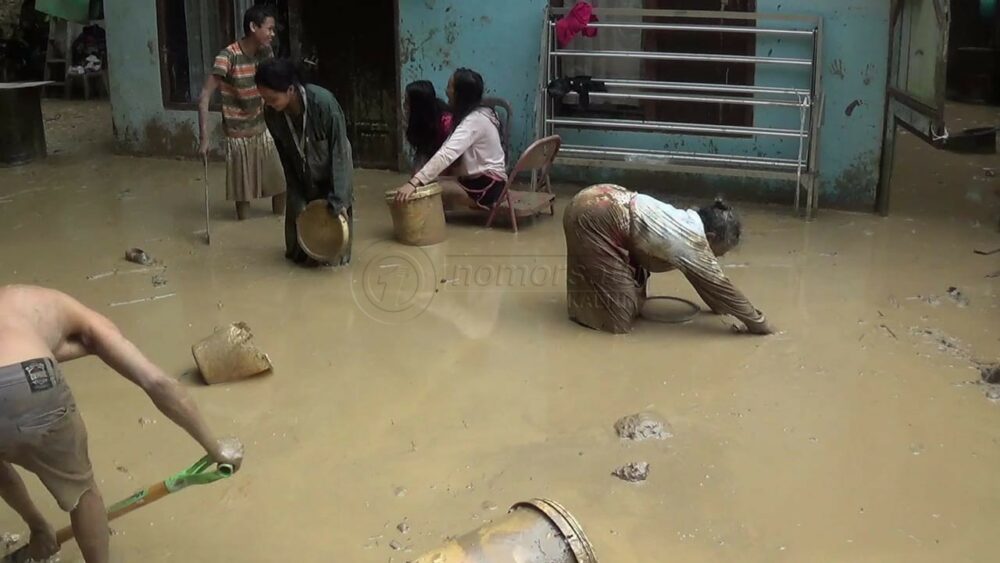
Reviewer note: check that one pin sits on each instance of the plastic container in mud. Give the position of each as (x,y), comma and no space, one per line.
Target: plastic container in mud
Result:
(229,355)
(537,531)
(418,221)
(322,235)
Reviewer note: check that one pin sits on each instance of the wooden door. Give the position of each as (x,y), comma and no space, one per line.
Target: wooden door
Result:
(354,44)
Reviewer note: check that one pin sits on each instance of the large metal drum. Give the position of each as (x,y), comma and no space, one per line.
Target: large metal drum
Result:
(22,131)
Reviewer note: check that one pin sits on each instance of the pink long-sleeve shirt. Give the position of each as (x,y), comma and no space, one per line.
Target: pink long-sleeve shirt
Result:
(475,144)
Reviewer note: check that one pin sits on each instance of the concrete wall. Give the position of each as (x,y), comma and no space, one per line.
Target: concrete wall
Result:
(142,125)
(856,58)
(500,39)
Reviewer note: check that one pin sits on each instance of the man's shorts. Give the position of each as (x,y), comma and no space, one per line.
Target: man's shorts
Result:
(41,430)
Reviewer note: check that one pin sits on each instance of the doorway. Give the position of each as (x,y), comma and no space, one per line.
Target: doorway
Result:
(354,48)
(918,62)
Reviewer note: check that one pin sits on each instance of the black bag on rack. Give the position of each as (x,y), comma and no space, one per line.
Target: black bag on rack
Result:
(582,85)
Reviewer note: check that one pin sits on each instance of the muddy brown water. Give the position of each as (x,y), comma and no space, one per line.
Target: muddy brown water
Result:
(846,437)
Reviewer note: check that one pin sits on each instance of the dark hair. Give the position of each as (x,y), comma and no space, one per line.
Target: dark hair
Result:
(277,74)
(720,219)
(469,90)
(423,127)
(256,15)
(468,85)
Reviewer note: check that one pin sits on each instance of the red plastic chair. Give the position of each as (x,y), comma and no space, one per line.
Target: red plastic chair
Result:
(537,158)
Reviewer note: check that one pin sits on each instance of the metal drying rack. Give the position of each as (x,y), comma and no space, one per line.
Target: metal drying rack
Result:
(807,101)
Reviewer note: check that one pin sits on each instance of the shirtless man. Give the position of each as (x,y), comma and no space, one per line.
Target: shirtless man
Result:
(40,427)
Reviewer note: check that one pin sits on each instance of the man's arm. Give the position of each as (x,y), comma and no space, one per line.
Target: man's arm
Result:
(101,337)
(212,82)
(70,349)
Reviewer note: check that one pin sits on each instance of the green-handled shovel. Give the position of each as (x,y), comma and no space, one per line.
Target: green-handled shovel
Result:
(198,474)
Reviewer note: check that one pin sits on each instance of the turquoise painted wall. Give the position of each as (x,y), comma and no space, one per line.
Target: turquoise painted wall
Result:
(501,40)
(142,125)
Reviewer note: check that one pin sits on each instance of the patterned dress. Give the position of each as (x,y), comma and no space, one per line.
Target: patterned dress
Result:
(616,237)
(253,168)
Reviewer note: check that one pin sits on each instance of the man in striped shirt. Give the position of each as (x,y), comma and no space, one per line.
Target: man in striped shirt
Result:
(253,167)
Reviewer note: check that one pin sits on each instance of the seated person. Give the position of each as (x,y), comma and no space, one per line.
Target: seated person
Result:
(616,237)
(475,147)
(429,121)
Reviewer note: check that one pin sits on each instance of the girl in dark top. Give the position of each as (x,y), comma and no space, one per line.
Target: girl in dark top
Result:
(429,121)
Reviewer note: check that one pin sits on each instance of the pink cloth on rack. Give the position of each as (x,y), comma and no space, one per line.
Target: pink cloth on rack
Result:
(575,22)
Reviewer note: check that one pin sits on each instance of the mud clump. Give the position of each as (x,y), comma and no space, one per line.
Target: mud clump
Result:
(642,426)
(138,256)
(958,297)
(990,373)
(230,355)
(944,342)
(10,540)
(634,472)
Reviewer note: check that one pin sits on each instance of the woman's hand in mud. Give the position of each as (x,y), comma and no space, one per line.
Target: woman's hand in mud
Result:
(229,452)
(404,192)
(43,543)
(761,328)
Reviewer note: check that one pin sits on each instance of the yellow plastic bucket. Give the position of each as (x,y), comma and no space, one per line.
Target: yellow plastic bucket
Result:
(418,221)
(537,531)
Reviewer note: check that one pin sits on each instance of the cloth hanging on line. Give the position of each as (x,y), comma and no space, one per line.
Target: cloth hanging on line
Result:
(72,10)
(577,21)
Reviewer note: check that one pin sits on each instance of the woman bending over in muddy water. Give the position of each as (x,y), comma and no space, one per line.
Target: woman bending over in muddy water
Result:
(474,147)
(616,237)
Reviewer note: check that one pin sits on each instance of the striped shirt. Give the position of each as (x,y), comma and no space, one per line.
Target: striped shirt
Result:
(242,105)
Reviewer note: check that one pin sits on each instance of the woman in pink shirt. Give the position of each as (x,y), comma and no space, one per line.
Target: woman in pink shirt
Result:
(474,148)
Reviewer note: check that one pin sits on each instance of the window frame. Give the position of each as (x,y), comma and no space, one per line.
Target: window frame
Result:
(226,11)
(648,110)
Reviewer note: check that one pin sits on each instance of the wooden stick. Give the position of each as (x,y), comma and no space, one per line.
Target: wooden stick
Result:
(208,229)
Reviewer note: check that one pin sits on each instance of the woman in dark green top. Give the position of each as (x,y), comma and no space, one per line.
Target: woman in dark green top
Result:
(310,132)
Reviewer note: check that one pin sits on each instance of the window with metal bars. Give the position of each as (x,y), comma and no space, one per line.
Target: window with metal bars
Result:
(670,71)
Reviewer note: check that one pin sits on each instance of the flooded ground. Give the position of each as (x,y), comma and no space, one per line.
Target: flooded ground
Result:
(437,389)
